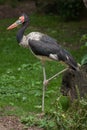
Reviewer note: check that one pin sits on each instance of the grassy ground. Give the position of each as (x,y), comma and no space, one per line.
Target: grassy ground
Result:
(21,73)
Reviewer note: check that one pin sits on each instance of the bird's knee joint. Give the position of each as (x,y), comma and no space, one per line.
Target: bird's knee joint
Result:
(45,83)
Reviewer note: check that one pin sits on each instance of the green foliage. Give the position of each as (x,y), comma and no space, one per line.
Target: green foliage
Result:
(2,2)
(84,40)
(40,120)
(74,118)
(68,10)
(84,60)
(12,3)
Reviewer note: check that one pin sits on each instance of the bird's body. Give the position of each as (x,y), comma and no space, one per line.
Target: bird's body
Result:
(43,47)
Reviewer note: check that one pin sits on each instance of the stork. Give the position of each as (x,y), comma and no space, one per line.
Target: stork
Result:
(43,47)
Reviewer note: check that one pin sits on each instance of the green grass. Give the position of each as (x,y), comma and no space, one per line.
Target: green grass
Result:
(21,73)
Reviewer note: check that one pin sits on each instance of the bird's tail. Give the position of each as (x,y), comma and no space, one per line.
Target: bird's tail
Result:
(73,65)
(68,59)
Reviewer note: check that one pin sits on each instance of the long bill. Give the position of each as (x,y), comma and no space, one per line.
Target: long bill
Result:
(14,25)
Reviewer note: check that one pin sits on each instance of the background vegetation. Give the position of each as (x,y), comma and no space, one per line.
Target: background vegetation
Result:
(70,10)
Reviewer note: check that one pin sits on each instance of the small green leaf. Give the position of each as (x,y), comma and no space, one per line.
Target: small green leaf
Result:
(39,106)
(86,44)
(84,60)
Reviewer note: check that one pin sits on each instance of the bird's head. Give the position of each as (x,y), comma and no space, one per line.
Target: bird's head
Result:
(22,20)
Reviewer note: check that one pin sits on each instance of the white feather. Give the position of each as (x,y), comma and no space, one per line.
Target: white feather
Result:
(33,36)
(24,42)
(53,56)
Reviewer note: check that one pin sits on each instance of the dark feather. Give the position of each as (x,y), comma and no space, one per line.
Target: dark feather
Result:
(47,45)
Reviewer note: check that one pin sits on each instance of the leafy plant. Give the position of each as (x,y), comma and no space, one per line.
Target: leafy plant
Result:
(84,39)
(38,120)
(84,60)
(2,2)
(74,118)
(68,10)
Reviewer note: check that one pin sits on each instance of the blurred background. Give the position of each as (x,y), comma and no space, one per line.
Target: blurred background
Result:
(70,10)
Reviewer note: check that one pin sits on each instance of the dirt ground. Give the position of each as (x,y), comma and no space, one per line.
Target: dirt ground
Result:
(13,123)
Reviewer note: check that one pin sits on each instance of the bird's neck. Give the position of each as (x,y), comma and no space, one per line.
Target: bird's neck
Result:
(21,31)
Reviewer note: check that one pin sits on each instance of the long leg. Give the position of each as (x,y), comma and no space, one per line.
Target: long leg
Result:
(44,85)
(56,75)
(45,82)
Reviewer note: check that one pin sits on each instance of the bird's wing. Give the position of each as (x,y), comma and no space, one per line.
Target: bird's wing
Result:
(53,51)
(43,48)
(66,57)
(47,39)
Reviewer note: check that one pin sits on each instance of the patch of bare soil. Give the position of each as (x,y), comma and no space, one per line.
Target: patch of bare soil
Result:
(13,123)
